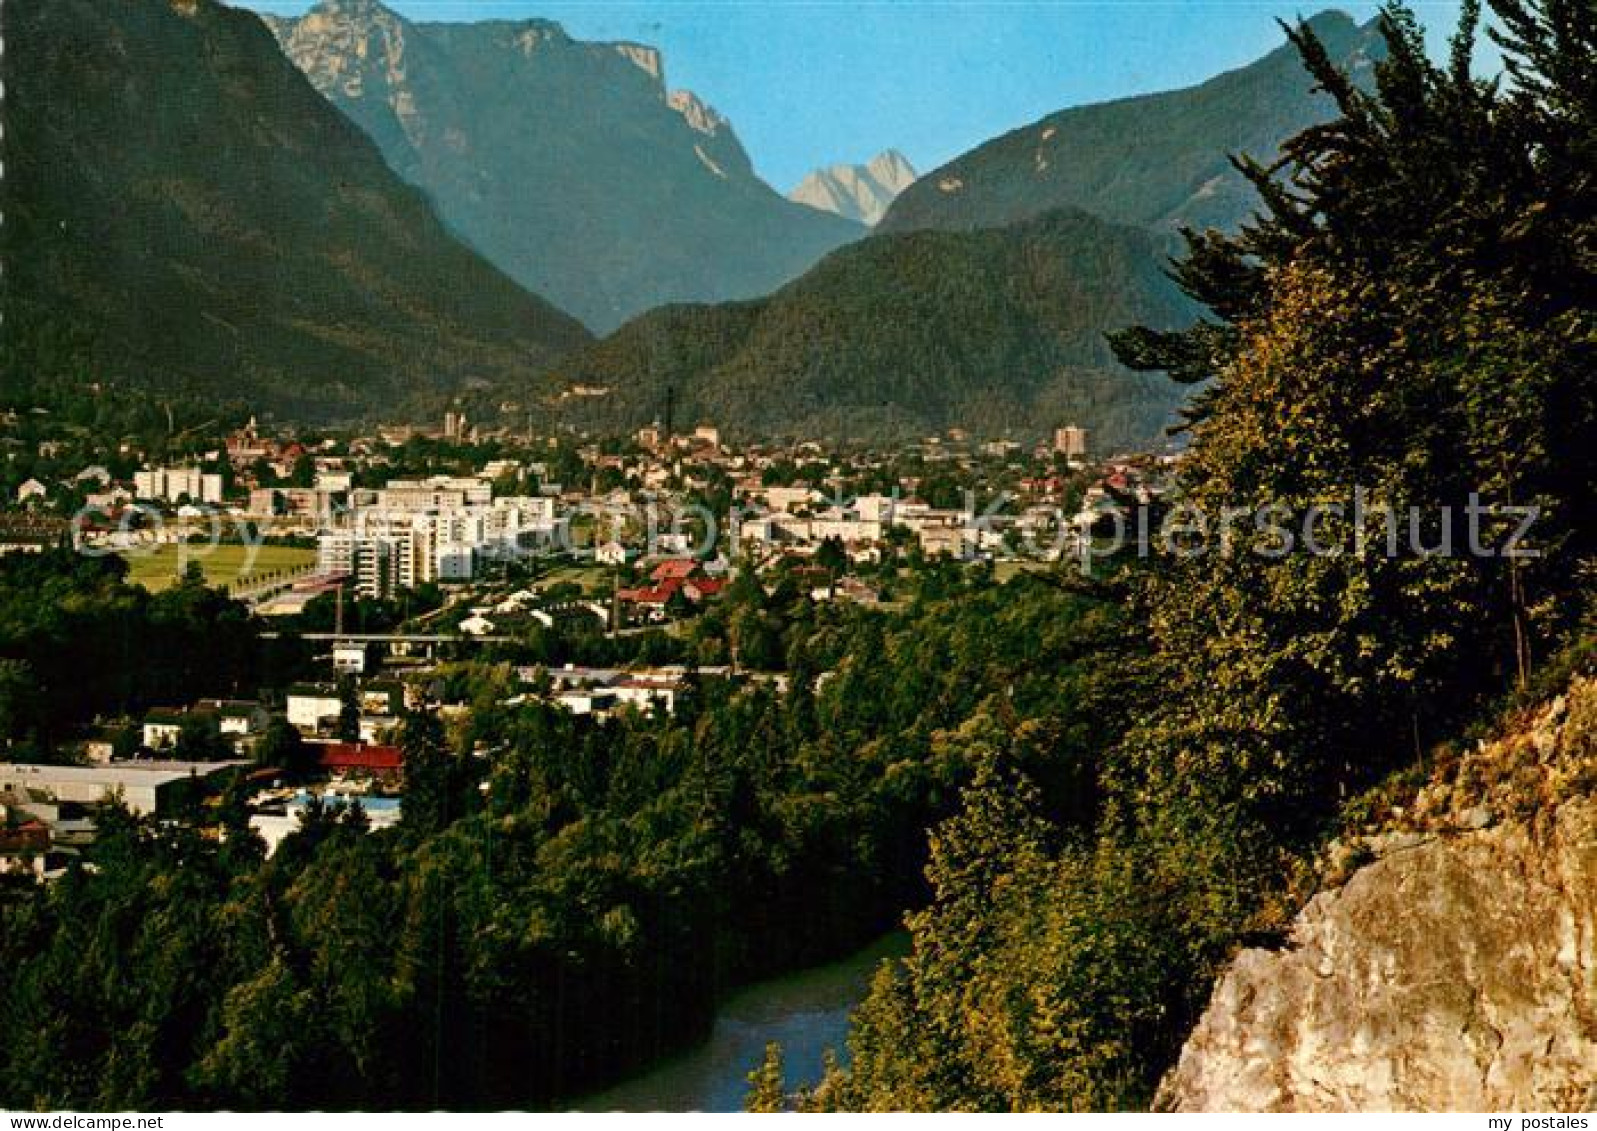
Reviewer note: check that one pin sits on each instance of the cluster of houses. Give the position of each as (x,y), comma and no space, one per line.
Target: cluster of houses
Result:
(600,691)
(525,607)
(1033,521)
(94,482)
(247,449)
(409,531)
(673,579)
(448,528)
(47,812)
(179,485)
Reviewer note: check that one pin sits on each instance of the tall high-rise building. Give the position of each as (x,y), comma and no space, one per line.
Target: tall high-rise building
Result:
(1070,441)
(380,565)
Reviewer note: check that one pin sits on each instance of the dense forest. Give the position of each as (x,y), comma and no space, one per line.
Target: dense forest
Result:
(1413,316)
(565,898)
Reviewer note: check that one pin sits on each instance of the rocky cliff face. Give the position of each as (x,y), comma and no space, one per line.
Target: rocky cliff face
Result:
(1456,970)
(857,192)
(570,165)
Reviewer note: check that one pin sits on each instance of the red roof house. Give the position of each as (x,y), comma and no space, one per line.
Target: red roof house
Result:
(31,838)
(674,569)
(361,757)
(667,579)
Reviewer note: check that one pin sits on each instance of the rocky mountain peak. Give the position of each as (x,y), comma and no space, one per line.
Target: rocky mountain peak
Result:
(892,169)
(857,192)
(568,162)
(362,10)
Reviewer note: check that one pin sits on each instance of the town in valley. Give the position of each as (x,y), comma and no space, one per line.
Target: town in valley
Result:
(390,553)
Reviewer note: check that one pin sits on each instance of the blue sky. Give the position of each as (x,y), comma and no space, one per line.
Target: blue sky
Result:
(813,82)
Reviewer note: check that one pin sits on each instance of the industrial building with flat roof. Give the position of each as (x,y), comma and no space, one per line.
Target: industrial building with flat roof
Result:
(146,788)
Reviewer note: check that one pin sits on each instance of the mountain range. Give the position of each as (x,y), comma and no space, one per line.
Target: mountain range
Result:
(984,297)
(1158,159)
(184,212)
(571,165)
(857,192)
(193,204)
(900,335)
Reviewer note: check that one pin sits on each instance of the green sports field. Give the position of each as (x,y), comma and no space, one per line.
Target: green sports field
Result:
(222,565)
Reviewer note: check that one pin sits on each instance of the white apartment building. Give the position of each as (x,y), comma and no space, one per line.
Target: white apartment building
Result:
(456,526)
(791,498)
(170,484)
(438,529)
(435,493)
(412,498)
(381,564)
(311,705)
(515,515)
(876,508)
(844,526)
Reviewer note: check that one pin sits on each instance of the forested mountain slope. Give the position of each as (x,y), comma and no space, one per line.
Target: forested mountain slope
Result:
(900,335)
(1155,159)
(184,212)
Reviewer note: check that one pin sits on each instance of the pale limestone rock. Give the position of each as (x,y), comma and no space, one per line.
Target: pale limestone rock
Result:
(647,59)
(857,192)
(1455,972)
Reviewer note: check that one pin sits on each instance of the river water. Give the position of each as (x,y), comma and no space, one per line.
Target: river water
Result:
(807,1012)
